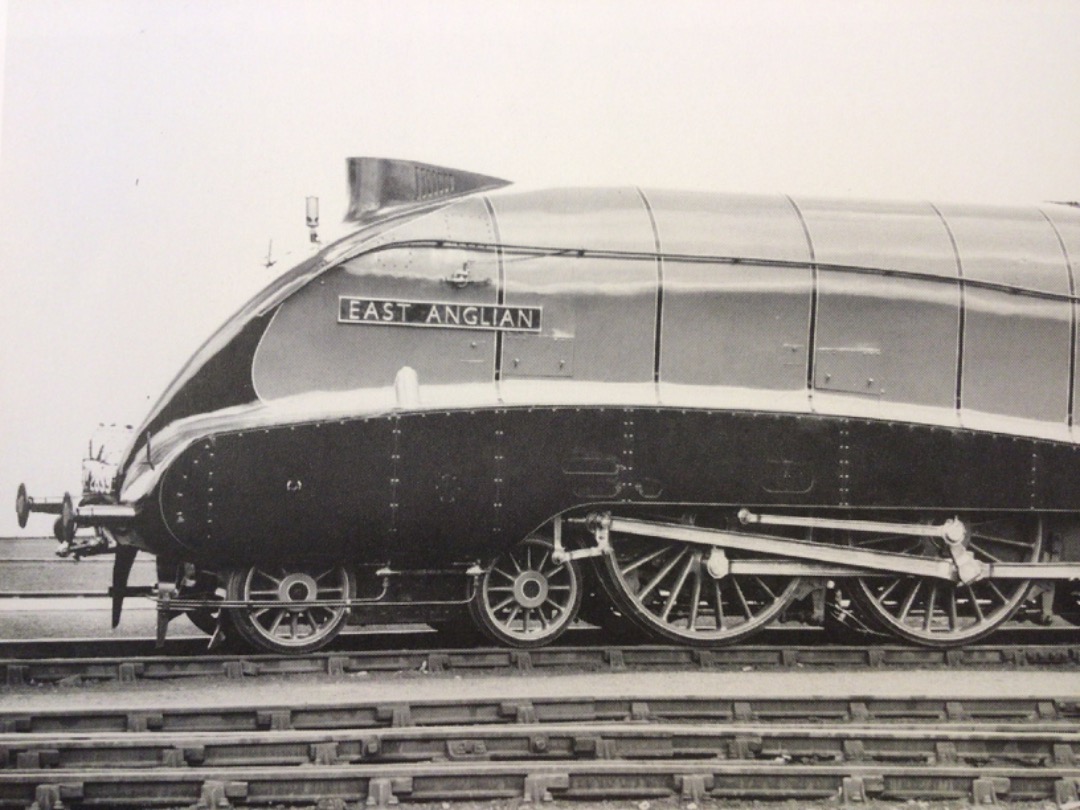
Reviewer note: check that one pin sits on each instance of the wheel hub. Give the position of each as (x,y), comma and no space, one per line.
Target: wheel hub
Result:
(530,589)
(297,589)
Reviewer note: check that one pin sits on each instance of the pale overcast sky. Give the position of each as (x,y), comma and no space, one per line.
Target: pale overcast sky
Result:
(150,150)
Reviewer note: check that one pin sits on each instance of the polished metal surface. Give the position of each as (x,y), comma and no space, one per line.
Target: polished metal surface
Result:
(306,348)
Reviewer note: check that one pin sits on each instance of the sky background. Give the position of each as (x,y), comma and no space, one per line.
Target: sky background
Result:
(150,150)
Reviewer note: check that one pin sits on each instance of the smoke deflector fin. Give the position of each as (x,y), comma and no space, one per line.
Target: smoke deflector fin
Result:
(378,186)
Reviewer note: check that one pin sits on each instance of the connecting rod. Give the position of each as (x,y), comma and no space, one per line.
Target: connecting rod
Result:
(939,568)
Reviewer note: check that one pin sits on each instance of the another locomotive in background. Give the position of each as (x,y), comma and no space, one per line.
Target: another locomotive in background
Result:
(712,405)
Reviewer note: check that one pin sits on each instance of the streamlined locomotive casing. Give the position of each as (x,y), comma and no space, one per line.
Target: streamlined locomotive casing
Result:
(434,387)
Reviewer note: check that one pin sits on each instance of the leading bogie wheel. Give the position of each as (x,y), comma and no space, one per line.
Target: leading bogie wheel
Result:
(666,588)
(294,610)
(525,598)
(938,613)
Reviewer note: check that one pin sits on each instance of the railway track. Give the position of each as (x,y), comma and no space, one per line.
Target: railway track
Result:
(21,671)
(60,748)
(380,753)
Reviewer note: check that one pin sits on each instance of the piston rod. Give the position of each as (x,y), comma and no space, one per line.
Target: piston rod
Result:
(951,530)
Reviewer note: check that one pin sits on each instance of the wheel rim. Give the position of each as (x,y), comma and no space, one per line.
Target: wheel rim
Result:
(939,613)
(285,617)
(526,598)
(665,587)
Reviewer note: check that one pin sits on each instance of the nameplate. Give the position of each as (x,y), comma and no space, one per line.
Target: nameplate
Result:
(438,314)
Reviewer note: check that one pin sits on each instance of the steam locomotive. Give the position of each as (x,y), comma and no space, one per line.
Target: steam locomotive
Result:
(694,410)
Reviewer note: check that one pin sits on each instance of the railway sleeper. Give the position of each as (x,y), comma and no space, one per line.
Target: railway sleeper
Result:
(927,743)
(534,781)
(1048,715)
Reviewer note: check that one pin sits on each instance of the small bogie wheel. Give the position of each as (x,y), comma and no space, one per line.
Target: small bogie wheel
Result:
(287,617)
(938,613)
(666,588)
(526,599)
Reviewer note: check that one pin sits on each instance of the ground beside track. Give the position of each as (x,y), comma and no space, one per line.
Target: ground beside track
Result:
(296,691)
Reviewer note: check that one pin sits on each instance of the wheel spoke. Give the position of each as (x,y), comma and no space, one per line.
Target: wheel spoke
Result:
(718,597)
(765,587)
(975,603)
(884,594)
(276,623)
(745,604)
(910,600)
(695,595)
(647,558)
(543,562)
(929,617)
(1001,540)
(513,615)
(1004,599)
(508,601)
(667,569)
(674,595)
(984,552)
(876,540)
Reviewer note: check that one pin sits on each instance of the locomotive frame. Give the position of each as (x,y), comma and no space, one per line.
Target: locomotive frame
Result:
(704,406)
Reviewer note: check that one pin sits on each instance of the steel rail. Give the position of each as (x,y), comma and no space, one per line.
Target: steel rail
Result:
(933,741)
(533,780)
(21,671)
(1051,715)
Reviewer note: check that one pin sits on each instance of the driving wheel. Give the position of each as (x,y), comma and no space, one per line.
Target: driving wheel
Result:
(938,613)
(666,588)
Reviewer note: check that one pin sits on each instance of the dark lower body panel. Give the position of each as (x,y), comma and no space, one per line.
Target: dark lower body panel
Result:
(423,490)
